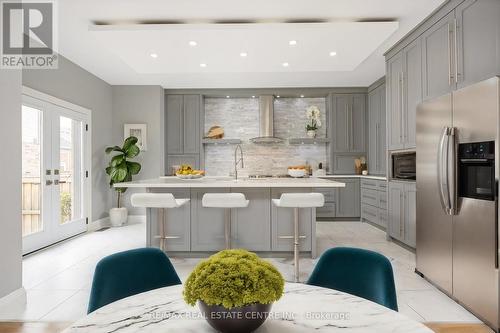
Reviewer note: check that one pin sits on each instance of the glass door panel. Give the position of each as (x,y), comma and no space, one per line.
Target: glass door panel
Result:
(32,218)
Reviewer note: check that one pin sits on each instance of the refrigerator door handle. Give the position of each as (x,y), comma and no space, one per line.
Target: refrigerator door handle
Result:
(451,170)
(442,173)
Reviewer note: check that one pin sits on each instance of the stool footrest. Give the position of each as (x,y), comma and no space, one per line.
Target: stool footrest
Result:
(167,237)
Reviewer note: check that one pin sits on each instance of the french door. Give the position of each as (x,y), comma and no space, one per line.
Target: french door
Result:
(55,183)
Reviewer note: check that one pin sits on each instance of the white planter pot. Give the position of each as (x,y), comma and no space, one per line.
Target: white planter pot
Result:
(118,216)
(311,134)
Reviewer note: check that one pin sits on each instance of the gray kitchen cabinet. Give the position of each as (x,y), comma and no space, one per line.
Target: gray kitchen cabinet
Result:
(348,123)
(404,72)
(340,121)
(412,91)
(348,203)
(374,202)
(174,123)
(191,127)
(207,224)
(376,131)
(182,118)
(251,226)
(438,48)
(402,212)
(478,41)
(328,210)
(396,210)
(394,102)
(343,163)
(411,214)
(282,224)
(177,224)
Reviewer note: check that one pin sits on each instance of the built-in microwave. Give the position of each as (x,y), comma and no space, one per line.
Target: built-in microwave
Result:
(404,166)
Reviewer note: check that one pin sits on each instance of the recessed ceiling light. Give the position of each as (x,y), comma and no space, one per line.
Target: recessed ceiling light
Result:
(154,55)
(278,96)
(301,96)
(285,64)
(333,54)
(192,43)
(292,42)
(203,65)
(253,96)
(228,96)
(243,54)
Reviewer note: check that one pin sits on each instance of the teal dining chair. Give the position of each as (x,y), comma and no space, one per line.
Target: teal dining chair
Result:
(359,272)
(128,273)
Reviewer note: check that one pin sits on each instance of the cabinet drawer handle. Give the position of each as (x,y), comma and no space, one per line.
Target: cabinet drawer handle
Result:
(291,237)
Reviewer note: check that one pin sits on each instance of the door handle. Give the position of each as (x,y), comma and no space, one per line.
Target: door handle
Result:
(455,32)
(443,181)
(403,106)
(451,161)
(450,75)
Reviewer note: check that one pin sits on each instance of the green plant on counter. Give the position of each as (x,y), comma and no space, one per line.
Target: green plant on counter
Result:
(234,278)
(119,168)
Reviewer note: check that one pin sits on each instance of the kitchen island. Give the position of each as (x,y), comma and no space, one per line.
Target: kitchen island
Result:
(260,227)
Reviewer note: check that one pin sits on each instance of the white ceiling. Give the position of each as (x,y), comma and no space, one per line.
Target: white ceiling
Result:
(359,31)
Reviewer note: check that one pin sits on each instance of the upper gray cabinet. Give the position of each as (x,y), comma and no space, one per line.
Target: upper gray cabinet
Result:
(174,118)
(462,48)
(348,123)
(376,131)
(478,41)
(438,51)
(183,124)
(404,93)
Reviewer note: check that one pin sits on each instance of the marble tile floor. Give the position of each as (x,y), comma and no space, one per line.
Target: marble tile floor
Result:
(58,279)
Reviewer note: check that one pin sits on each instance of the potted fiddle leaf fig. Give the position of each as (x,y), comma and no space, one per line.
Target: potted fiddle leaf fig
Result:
(234,289)
(121,169)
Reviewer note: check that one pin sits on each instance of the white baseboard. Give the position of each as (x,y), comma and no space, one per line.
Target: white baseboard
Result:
(105,223)
(18,296)
(98,224)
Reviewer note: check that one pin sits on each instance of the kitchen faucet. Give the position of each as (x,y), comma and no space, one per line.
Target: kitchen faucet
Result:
(236,162)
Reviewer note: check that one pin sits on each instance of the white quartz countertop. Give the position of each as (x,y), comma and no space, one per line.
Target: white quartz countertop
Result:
(356,176)
(228,182)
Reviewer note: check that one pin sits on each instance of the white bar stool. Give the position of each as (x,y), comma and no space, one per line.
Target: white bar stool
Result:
(162,201)
(297,201)
(227,201)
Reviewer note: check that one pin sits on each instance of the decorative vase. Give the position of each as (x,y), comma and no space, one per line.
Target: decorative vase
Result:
(118,216)
(311,134)
(243,319)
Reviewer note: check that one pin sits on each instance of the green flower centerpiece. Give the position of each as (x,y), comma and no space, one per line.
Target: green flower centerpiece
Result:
(234,289)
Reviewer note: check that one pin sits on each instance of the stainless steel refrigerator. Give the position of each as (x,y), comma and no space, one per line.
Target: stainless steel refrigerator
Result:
(457,196)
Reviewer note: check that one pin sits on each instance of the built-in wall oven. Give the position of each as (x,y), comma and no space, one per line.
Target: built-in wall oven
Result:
(403,165)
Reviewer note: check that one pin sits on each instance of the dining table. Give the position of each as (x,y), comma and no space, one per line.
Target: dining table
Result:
(302,308)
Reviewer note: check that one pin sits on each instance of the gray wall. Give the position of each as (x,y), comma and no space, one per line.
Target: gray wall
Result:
(240,119)
(10,191)
(141,105)
(74,84)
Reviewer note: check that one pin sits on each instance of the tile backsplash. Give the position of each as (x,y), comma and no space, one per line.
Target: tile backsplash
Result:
(240,119)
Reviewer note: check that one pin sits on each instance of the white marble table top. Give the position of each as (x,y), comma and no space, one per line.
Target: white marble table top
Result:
(302,308)
(228,182)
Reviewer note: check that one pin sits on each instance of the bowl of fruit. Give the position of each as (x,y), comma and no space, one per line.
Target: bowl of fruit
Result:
(187,172)
(298,171)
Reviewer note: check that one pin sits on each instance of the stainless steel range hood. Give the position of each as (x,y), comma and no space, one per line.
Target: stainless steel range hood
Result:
(266,121)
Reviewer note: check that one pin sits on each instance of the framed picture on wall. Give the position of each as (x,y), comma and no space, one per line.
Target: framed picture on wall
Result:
(139,131)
